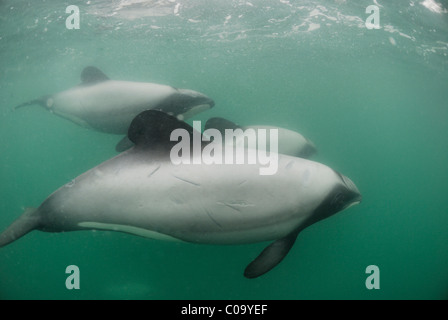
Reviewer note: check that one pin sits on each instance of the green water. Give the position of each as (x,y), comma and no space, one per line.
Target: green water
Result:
(373,101)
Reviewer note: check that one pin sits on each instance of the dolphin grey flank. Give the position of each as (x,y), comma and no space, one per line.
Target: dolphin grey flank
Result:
(109,106)
(141,192)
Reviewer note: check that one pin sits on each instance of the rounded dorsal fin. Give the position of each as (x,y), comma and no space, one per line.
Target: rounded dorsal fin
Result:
(221,124)
(91,75)
(153,128)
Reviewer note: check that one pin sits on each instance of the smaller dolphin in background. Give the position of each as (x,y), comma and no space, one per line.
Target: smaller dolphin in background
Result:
(290,143)
(109,106)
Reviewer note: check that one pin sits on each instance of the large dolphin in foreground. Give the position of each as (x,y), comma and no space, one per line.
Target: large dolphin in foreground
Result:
(109,106)
(142,192)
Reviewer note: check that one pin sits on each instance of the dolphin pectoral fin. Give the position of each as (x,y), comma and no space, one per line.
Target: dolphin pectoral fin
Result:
(27,222)
(92,75)
(220,124)
(124,144)
(271,256)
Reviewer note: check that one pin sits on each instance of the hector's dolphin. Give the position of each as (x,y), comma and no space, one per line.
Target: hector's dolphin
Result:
(141,192)
(109,106)
(289,142)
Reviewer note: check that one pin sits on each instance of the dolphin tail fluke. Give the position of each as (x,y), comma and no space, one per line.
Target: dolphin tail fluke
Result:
(40,101)
(27,222)
(271,256)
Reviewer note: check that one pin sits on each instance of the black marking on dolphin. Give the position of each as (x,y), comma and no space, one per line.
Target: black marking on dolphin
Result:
(221,124)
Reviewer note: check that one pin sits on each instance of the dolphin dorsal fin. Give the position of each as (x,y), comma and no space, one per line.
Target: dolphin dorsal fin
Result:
(92,75)
(221,124)
(151,129)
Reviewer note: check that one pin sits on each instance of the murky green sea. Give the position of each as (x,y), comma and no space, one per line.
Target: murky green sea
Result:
(374,101)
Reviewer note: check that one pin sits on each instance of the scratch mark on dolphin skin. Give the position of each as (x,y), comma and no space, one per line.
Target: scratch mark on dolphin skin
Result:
(213,219)
(70,184)
(231,206)
(154,171)
(242,182)
(236,205)
(187,181)
(289,165)
(176,200)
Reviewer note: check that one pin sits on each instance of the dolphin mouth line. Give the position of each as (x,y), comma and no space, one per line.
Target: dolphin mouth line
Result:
(354,203)
(195,110)
(202,106)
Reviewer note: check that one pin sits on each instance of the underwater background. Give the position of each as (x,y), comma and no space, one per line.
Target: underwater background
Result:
(374,102)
